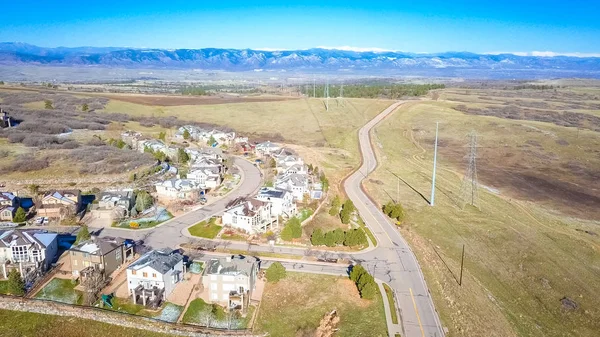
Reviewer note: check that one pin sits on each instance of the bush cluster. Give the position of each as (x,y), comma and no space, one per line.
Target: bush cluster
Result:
(350,238)
(364,282)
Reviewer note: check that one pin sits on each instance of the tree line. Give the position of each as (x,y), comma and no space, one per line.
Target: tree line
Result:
(391,91)
(337,237)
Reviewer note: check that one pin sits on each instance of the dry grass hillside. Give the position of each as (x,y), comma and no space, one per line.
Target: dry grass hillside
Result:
(534,242)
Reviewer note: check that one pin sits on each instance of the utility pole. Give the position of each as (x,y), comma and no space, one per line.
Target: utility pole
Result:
(462,260)
(434,165)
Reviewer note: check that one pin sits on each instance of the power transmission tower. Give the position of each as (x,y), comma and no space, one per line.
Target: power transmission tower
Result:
(469,187)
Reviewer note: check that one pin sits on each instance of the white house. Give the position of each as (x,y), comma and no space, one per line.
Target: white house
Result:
(250,215)
(267,147)
(282,201)
(185,189)
(285,162)
(155,270)
(31,252)
(153,144)
(206,177)
(297,183)
(230,281)
(296,169)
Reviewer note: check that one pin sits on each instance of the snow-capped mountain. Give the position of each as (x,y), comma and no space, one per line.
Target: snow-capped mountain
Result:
(317,59)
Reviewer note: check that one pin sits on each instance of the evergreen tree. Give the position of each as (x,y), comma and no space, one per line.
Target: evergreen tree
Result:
(143,201)
(186,134)
(338,236)
(211,141)
(16,285)
(369,291)
(182,156)
(330,239)
(20,215)
(85,107)
(317,238)
(48,104)
(275,272)
(83,235)
(162,136)
(356,272)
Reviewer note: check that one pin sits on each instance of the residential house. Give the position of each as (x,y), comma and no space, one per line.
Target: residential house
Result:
(105,254)
(231,281)
(195,132)
(245,147)
(5,120)
(240,139)
(155,274)
(282,201)
(207,177)
(115,203)
(283,163)
(30,252)
(152,144)
(131,138)
(296,169)
(297,183)
(223,138)
(8,206)
(267,147)
(182,189)
(250,215)
(208,163)
(57,204)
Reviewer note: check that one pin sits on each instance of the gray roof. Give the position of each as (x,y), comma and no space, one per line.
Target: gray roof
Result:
(11,238)
(97,246)
(234,267)
(158,260)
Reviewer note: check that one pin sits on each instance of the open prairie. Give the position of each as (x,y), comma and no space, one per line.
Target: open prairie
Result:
(532,247)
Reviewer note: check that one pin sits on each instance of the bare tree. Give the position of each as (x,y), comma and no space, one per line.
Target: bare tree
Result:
(92,282)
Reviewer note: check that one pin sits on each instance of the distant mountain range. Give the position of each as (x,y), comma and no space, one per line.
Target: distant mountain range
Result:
(310,60)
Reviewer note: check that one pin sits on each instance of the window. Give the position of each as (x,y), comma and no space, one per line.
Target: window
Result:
(118,255)
(213,286)
(134,272)
(144,274)
(74,262)
(154,275)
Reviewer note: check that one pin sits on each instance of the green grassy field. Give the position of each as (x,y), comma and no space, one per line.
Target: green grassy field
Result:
(295,305)
(205,230)
(61,290)
(531,243)
(27,324)
(390,298)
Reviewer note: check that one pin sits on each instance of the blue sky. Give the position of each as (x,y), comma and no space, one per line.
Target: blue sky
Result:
(413,26)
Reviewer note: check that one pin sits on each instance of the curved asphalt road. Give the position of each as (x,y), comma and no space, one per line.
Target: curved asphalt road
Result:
(391,261)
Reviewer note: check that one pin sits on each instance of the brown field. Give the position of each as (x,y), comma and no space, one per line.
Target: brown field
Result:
(172,100)
(535,238)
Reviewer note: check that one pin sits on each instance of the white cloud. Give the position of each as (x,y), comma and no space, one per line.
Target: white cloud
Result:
(546,54)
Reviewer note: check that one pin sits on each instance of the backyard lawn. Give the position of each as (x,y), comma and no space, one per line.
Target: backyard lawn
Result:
(205,230)
(61,290)
(27,324)
(295,305)
(202,313)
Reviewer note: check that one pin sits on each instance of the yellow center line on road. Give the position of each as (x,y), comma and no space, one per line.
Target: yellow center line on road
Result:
(417,312)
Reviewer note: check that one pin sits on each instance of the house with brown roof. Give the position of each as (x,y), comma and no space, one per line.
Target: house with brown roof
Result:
(250,215)
(99,253)
(58,204)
